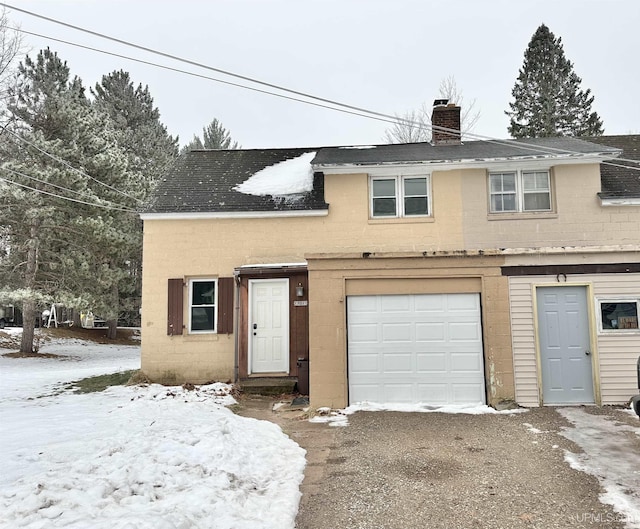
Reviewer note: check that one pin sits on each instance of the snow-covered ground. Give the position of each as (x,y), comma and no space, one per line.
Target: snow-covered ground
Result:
(134,457)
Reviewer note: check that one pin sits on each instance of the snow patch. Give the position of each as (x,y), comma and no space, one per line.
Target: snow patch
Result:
(608,454)
(358,147)
(289,179)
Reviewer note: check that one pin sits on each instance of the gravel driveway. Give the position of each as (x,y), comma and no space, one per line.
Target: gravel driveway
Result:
(389,470)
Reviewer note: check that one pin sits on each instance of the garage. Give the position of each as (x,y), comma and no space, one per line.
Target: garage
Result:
(415,348)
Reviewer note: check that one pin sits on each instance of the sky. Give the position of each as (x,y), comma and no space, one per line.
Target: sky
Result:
(386,56)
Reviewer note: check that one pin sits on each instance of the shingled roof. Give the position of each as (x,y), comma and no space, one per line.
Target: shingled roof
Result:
(620,179)
(203,182)
(529,148)
(206,181)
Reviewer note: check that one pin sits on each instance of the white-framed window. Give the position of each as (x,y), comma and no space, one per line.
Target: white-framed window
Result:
(203,309)
(618,315)
(399,196)
(519,191)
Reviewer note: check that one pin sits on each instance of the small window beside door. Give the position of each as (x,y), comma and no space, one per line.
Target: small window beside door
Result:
(202,305)
(618,315)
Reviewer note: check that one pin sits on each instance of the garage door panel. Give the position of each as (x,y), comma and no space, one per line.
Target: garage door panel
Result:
(430,332)
(397,332)
(398,363)
(423,348)
(461,331)
(360,333)
(431,363)
(465,362)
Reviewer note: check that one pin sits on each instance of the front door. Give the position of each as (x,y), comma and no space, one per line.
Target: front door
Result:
(565,350)
(269,326)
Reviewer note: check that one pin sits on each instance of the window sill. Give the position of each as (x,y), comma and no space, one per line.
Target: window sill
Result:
(200,336)
(523,215)
(401,220)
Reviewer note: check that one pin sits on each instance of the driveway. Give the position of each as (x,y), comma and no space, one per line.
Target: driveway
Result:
(433,470)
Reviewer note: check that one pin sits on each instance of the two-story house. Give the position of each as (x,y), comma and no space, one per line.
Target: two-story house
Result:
(443,272)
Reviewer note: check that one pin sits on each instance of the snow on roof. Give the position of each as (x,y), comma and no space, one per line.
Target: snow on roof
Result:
(290,177)
(359,147)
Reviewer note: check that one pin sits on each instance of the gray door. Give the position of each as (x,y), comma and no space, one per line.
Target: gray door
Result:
(565,356)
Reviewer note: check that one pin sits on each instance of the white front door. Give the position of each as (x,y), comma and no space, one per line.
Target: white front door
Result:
(269,326)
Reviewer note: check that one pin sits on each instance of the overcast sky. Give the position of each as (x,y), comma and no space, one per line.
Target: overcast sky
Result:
(388,56)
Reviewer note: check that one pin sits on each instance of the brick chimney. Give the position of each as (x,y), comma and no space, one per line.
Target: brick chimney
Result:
(445,115)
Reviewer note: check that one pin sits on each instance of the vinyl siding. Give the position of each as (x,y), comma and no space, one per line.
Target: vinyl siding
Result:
(616,354)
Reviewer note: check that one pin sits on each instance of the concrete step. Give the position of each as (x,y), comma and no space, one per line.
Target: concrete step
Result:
(268,385)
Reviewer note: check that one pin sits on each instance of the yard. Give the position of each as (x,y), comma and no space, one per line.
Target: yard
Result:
(133,456)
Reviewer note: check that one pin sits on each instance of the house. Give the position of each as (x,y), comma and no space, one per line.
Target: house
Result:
(443,272)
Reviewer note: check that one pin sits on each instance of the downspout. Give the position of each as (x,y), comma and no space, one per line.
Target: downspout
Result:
(236,327)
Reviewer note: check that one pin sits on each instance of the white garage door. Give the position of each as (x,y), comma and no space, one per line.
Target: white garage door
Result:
(421,348)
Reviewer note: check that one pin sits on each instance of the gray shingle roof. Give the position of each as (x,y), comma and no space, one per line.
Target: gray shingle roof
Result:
(203,181)
(620,178)
(467,151)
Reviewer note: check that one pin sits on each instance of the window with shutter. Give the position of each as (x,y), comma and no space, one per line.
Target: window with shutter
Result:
(225,305)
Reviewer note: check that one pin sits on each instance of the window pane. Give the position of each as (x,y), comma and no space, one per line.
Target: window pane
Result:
(503,202)
(203,293)
(202,318)
(535,181)
(619,315)
(415,187)
(537,202)
(503,182)
(384,188)
(416,206)
(384,207)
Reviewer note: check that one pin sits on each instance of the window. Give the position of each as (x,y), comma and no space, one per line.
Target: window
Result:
(619,315)
(519,191)
(399,196)
(202,305)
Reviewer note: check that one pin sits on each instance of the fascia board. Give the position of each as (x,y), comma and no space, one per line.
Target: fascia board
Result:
(234,215)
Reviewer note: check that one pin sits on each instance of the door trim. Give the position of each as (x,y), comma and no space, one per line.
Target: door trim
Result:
(591,321)
(252,282)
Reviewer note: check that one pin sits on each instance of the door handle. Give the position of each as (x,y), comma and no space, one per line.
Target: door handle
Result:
(255,326)
(588,353)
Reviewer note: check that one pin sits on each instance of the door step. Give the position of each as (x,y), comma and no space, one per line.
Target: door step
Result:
(269,385)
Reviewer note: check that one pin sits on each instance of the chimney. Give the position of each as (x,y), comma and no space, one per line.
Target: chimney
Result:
(445,115)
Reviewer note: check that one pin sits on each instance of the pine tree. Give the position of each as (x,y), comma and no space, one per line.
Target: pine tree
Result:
(150,151)
(214,136)
(548,100)
(62,168)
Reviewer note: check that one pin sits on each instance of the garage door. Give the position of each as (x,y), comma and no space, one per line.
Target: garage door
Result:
(421,348)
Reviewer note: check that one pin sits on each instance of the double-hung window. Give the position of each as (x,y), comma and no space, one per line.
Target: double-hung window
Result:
(519,191)
(202,305)
(399,196)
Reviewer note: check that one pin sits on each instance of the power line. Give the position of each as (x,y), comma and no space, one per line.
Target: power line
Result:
(42,191)
(68,165)
(350,109)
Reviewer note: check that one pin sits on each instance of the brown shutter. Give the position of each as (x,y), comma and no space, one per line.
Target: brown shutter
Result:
(225,305)
(174,316)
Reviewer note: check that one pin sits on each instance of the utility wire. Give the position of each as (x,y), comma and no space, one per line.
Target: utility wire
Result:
(337,106)
(42,191)
(68,165)
(351,109)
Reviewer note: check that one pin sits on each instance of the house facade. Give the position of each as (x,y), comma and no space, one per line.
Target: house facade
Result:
(438,273)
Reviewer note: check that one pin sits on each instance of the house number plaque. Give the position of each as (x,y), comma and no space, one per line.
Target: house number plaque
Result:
(300,303)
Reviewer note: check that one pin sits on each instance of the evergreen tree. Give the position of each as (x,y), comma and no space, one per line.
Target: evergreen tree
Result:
(62,170)
(548,100)
(215,136)
(150,151)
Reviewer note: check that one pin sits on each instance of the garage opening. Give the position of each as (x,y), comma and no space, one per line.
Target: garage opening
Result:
(415,348)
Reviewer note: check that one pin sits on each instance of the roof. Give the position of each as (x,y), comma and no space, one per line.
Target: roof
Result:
(203,181)
(619,177)
(530,148)
(206,181)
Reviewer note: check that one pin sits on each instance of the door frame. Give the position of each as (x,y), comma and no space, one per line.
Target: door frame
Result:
(593,341)
(250,284)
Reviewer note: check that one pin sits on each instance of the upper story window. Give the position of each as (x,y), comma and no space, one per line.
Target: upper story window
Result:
(202,305)
(399,196)
(519,191)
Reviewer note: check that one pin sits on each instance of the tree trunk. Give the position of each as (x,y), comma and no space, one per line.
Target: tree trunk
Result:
(29,305)
(112,329)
